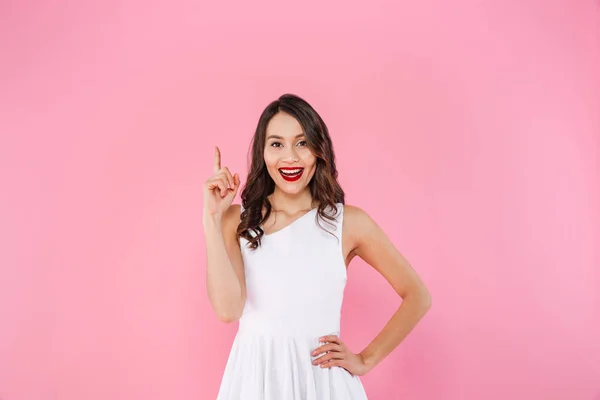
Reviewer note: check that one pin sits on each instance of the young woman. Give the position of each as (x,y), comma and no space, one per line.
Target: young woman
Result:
(278,263)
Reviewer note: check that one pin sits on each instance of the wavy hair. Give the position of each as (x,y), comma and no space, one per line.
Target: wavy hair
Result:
(324,186)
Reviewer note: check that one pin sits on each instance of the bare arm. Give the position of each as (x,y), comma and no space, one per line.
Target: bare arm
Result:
(369,242)
(225,278)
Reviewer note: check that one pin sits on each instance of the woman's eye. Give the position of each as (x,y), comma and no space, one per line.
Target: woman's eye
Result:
(301,143)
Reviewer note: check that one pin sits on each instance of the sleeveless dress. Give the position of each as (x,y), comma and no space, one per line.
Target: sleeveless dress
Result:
(295,283)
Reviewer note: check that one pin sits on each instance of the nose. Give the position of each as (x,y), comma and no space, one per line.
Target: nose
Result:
(291,155)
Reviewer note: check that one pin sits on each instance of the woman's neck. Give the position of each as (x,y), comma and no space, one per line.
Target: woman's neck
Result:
(291,203)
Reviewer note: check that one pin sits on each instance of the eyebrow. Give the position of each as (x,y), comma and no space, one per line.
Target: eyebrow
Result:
(280,137)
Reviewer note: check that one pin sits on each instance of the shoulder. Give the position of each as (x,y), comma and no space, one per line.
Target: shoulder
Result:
(357,221)
(231,217)
(234,210)
(356,215)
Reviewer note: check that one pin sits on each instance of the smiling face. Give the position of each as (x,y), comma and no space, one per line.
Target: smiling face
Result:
(290,134)
(290,162)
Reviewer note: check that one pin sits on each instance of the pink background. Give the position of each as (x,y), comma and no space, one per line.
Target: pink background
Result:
(470,130)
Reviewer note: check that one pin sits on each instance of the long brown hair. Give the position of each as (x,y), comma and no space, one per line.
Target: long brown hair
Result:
(324,187)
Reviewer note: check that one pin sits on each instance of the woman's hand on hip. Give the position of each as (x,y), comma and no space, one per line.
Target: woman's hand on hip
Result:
(338,355)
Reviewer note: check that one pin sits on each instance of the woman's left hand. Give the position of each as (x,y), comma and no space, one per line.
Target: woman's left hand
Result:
(338,355)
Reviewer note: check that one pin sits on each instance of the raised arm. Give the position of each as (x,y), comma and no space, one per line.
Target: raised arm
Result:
(225,280)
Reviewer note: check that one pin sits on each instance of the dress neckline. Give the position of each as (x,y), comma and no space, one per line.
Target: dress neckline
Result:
(288,225)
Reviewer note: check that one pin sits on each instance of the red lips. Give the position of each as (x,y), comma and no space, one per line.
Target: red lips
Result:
(291,174)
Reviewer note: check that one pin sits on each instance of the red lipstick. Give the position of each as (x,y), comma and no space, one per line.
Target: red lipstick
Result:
(291,174)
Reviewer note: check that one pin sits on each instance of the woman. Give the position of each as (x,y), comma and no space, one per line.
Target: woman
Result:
(278,263)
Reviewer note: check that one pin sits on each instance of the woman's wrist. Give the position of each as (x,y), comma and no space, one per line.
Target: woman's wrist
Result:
(212,220)
(368,361)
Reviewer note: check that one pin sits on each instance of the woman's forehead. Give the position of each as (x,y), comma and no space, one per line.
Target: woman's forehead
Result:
(283,124)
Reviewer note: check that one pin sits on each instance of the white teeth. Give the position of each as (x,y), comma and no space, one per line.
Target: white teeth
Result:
(291,172)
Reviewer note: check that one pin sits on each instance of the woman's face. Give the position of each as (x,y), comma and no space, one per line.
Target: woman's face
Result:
(289,160)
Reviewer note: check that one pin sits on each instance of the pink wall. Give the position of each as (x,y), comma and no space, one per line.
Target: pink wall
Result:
(469,130)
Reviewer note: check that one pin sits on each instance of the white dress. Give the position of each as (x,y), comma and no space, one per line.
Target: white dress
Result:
(295,284)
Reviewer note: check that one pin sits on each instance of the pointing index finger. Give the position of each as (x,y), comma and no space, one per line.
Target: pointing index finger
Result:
(217,164)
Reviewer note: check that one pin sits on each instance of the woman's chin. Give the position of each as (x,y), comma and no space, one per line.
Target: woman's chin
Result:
(291,187)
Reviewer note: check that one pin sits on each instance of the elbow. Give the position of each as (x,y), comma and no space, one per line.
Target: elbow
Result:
(425,299)
(228,317)
(227,309)
(420,297)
